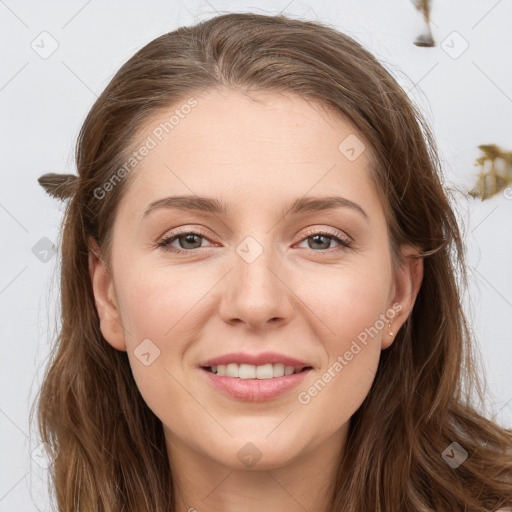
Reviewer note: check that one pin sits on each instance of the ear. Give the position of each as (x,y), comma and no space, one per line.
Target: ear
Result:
(104,296)
(407,282)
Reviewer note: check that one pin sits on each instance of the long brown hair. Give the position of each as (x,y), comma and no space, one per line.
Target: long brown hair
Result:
(108,447)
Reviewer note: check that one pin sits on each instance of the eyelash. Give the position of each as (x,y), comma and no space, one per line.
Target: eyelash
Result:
(165,243)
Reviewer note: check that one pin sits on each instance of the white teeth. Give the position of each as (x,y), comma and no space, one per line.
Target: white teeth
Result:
(278,370)
(265,372)
(232,370)
(249,371)
(246,371)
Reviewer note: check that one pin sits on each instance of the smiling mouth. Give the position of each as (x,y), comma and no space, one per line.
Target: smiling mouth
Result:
(249,371)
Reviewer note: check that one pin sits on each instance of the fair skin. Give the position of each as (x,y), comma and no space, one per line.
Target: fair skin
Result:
(304,296)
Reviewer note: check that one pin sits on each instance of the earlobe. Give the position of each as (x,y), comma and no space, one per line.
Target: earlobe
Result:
(408,279)
(104,296)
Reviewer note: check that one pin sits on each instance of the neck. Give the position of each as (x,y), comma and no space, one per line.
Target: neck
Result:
(202,484)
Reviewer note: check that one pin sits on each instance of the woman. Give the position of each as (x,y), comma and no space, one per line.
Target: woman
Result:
(260,308)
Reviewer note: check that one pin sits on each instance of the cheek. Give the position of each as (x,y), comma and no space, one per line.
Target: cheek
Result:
(159,312)
(350,304)
(352,310)
(158,308)
(357,310)
(156,303)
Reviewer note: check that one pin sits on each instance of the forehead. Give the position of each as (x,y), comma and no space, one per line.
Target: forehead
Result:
(251,147)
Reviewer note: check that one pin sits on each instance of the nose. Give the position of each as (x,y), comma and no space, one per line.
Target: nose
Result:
(256,293)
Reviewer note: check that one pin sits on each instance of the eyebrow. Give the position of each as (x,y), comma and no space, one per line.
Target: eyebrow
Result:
(214,206)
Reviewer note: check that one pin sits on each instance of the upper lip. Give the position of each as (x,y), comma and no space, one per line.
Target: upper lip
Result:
(255,359)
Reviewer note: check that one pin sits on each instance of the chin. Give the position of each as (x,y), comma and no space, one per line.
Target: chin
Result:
(258,455)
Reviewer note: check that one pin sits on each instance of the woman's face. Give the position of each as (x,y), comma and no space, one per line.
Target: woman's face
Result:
(284,286)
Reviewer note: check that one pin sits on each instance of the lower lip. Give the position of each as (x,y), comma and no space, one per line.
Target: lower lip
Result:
(255,390)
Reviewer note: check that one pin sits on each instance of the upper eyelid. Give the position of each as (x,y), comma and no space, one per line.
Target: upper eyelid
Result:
(178,232)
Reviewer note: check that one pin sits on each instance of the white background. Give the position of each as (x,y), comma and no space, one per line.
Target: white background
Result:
(467,100)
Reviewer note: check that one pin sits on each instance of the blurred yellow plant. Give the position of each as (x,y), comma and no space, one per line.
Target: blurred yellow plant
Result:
(495,171)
